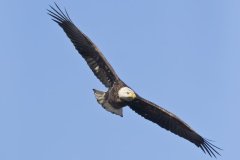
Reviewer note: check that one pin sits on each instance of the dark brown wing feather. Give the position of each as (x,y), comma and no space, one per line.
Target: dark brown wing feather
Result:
(172,123)
(94,58)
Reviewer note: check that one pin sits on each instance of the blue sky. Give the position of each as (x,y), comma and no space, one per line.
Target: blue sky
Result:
(183,55)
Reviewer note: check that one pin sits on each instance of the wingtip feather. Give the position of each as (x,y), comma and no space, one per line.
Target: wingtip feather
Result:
(58,14)
(210,148)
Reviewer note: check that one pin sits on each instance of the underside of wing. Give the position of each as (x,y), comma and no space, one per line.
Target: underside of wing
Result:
(172,123)
(94,58)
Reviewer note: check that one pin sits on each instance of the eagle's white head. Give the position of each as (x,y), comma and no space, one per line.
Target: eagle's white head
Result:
(126,94)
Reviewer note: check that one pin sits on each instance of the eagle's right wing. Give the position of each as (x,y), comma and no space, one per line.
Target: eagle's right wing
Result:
(94,58)
(171,122)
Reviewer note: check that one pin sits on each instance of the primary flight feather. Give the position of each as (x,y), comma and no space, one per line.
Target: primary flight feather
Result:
(119,94)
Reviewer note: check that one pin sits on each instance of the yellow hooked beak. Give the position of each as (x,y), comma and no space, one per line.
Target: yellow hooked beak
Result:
(132,95)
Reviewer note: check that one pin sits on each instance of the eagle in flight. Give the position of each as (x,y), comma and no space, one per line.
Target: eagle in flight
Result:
(119,94)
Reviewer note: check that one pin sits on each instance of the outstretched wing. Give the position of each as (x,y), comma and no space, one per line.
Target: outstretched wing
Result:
(172,123)
(94,58)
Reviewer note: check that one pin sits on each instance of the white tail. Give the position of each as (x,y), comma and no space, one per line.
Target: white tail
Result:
(100,96)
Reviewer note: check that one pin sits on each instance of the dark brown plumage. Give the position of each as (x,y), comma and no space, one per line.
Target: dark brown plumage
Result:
(171,122)
(86,48)
(119,94)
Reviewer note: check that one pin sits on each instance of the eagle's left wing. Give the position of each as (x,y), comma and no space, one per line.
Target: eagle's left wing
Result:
(171,122)
(86,48)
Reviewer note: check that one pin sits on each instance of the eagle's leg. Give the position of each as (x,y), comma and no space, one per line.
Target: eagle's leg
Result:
(102,100)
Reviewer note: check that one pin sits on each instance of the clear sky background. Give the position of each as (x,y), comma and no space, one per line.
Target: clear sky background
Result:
(181,54)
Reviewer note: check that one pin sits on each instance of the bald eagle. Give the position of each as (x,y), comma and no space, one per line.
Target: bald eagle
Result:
(119,94)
